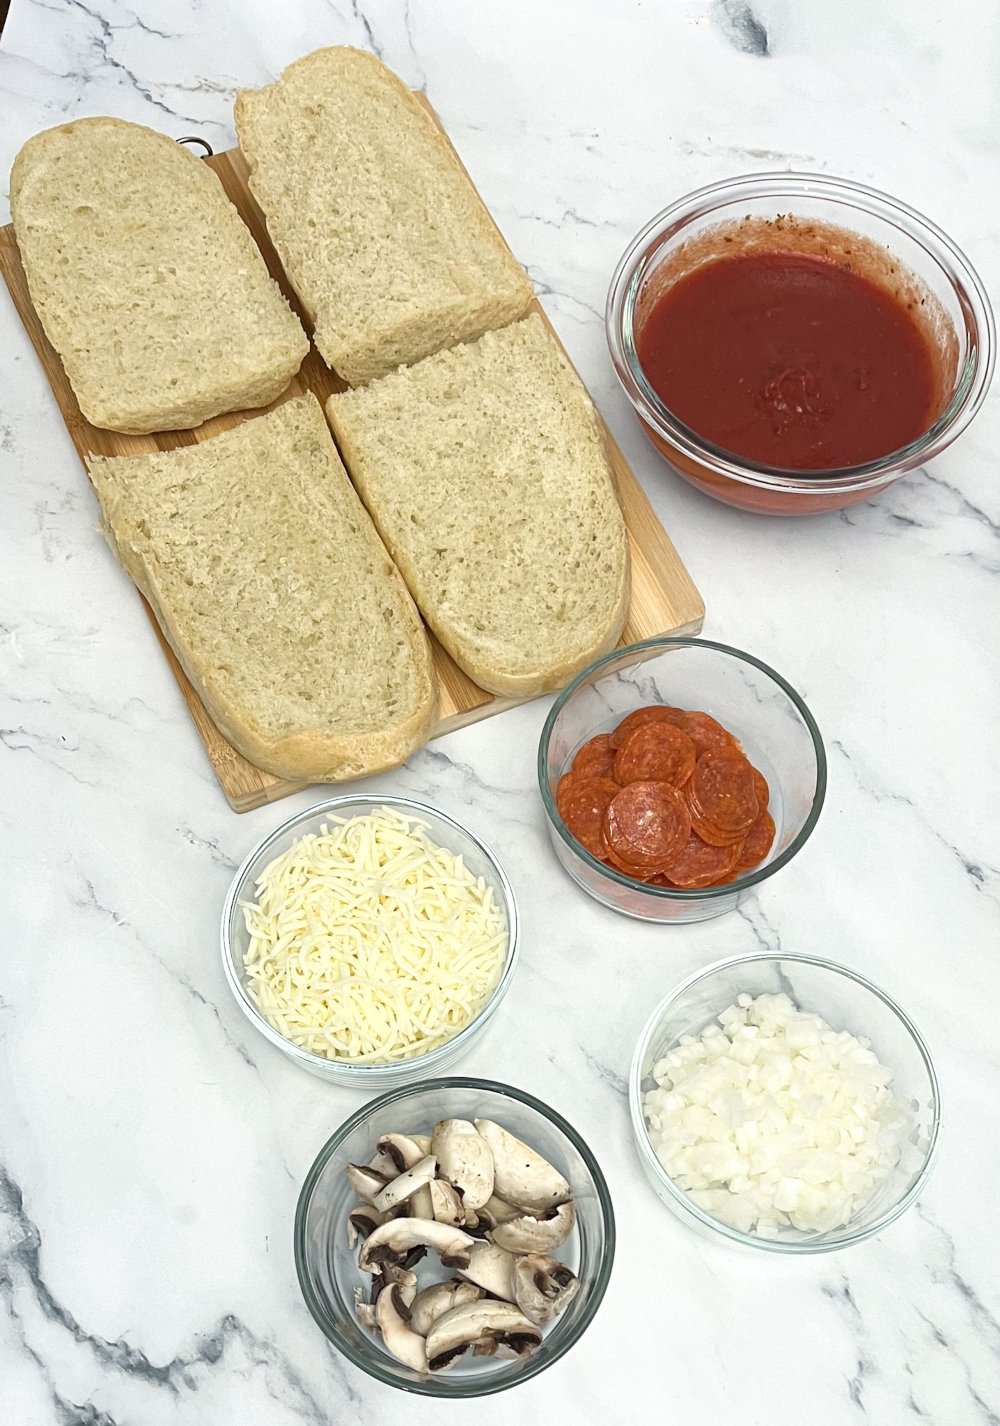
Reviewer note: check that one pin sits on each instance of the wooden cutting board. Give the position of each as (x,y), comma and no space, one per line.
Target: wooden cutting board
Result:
(664,598)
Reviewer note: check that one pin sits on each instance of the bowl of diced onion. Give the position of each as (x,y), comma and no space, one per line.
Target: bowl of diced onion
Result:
(370,939)
(784,1102)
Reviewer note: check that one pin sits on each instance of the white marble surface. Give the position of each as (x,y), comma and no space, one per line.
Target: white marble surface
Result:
(151,1147)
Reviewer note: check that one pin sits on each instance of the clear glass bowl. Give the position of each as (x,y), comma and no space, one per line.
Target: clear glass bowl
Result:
(776,729)
(328,1270)
(443,830)
(929,261)
(846,1001)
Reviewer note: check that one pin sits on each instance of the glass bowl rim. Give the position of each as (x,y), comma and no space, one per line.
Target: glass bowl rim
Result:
(442,1386)
(973,381)
(669,893)
(736,1235)
(346,1071)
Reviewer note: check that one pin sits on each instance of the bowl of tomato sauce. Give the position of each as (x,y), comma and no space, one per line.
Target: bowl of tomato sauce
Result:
(794,343)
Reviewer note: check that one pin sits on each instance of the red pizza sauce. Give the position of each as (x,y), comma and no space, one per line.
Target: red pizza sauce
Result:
(791,360)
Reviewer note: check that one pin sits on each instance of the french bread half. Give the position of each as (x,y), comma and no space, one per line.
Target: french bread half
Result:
(485,470)
(276,594)
(146,279)
(380,232)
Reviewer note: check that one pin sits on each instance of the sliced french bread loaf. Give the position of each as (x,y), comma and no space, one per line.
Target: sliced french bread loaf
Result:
(146,280)
(484,468)
(386,242)
(270,583)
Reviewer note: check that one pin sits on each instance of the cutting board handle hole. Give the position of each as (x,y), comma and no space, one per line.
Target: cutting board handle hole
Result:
(202,144)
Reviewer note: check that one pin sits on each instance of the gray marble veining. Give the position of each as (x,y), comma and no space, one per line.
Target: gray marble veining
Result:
(151,1147)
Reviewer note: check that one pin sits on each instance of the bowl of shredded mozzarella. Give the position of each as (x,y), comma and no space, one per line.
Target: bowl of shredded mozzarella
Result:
(784,1102)
(370,939)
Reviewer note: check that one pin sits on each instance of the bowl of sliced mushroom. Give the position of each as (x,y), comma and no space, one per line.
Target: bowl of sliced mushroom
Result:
(454,1238)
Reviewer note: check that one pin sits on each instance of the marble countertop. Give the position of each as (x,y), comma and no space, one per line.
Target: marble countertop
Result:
(151,1146)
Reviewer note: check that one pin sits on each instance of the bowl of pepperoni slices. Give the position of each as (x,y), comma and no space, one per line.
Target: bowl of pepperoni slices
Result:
(677,775)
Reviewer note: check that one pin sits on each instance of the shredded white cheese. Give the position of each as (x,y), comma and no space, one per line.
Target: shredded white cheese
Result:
(770,1118)
(370,943)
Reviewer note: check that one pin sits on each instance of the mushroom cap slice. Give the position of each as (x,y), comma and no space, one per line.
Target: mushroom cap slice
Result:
(392,1316)
(394,1240)
(543,1286)
(495,1211)
(464,1159)
(492,1269)
(384,1164)
(365,1310)
(400,1277)
(409,1182)
(536,1234)
(366,1182)
(477,1324)
(434,1301)
(520,1175)
(361,1221)
(419,1204)
(446,1203)
(403,1278)
(402,1149)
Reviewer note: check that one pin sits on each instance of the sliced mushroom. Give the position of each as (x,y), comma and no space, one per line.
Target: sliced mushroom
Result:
(366,1182)
(446,1203)
(365,1310)
(543,1286)
(420,1205)
(495,1211)
(491,1268)
(392,1316)
(391,1277)
(434,1301)
(423,1143)
(536,1234)
(395,1273)
(384,1164)
(475,1324)
(477,1227)
(399,1189)
(464,1159)
(402,1149)
(520,1175)
(361,1221)
(394,1241)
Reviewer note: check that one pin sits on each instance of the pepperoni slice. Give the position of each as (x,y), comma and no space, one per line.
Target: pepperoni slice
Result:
(655,752)
(722,791)
(596,757)
(762,789)
(647,824)
(708,735)
(637,873)
(714,836)
(756,844)
(700,864)
(654,713)
(582,801)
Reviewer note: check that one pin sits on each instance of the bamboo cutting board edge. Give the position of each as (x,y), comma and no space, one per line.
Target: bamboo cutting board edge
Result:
(664,599)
